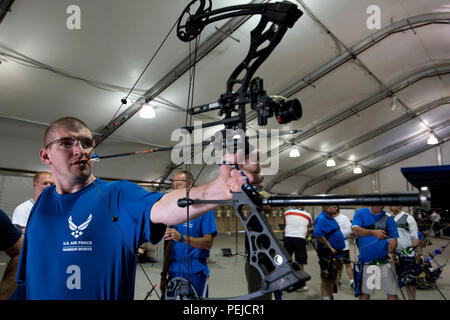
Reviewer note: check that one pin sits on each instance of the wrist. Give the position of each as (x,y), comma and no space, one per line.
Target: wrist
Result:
(181,237)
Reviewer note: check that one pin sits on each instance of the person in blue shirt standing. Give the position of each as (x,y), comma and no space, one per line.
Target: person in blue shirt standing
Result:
(377,241)
(330,243)
(187,250)
(83,233)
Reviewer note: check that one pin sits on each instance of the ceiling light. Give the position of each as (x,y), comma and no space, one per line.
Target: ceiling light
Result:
(147,112)
(331,162)
(432,139)
(394,104)
(294,153)
(357,170)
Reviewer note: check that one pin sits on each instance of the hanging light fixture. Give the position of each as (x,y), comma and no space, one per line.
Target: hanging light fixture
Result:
(331,162)
(294,153)
(394,104)
(147,112)
(357,170)
(432,139)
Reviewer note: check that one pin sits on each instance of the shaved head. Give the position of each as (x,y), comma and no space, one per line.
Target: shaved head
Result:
(68,123)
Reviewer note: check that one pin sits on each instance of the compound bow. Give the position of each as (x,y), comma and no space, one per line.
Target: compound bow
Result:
(266,254)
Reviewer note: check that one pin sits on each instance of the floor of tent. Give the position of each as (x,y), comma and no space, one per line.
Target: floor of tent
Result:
(227,276)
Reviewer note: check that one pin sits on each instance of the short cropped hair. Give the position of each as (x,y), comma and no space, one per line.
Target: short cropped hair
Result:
(69,123)
(187,174)
(331,205)
(39,173)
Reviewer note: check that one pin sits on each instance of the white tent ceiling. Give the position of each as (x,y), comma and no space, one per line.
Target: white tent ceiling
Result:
(49,71)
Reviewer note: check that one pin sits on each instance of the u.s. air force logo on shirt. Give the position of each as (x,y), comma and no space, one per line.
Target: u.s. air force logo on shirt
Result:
(78,230)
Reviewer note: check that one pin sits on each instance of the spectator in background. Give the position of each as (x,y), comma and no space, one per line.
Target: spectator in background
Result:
(377,242)
(436,223)
(41,180)
(330,242)
(408,238)
(296,222)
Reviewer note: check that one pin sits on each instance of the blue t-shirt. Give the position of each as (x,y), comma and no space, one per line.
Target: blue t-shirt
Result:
(74,250)
(179,255)
(8,233)
(371,248)
(326,226)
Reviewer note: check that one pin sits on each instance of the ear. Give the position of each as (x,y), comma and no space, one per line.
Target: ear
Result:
(45,158)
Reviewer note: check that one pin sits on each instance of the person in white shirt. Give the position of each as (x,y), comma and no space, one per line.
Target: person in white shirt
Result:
(296,222)
(408,239)
(41,180)
(346,228)
(436,223)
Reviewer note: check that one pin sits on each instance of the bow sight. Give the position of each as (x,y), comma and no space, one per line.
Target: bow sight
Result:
(241,89)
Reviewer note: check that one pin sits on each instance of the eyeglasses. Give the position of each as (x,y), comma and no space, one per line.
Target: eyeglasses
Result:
(70,142)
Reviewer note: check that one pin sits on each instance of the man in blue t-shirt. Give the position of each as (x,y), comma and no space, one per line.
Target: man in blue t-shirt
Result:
(187,249)
(377,241)
(10,242)
(330,242)
(83,233)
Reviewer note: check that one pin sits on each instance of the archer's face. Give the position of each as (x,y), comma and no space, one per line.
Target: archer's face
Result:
(179,181)
(65,159)
(331,210)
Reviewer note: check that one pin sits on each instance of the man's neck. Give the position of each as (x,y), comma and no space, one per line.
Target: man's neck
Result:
(73,186)
(374,212)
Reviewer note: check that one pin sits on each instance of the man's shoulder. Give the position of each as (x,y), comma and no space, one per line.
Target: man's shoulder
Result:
(410,218)
(343,217)
(362,211)
(388,215)
(401,214)
(4,218)
(322,218)
(297,210)
(116,186)
(26,205)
